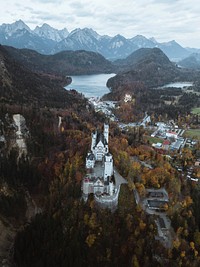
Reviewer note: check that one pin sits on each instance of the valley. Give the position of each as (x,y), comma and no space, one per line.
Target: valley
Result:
(156,219)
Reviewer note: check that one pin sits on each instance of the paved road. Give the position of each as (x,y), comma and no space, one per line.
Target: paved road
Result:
(118,178)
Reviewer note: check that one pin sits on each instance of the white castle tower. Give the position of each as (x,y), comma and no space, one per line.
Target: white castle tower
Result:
(94,139)
(106,131)
(108,166)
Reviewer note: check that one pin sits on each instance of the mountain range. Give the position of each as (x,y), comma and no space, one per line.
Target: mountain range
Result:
(48,40)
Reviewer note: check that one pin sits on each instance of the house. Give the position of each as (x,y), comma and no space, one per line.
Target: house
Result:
(171,135)
(176,145)
(166,144)
(197,163)
(157,199)
(127,98)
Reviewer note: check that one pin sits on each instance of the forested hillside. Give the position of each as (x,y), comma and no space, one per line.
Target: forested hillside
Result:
(42,213)
(64,63)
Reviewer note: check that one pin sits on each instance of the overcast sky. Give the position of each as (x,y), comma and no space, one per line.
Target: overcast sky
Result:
(163,19)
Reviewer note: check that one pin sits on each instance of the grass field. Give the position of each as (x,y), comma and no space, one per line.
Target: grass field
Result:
(196,111)
(153,140)
(195,133)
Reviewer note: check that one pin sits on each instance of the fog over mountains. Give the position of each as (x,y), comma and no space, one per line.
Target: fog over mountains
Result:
(48,40)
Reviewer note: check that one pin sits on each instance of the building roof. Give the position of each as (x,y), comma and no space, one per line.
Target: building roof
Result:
(155,194)
(166,142)
(162,223)
(91,156)
(174,133)
(176,145)
(158,204)
(99,182)
(101,137)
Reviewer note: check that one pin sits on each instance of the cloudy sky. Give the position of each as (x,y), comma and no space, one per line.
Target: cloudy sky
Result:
(163,19)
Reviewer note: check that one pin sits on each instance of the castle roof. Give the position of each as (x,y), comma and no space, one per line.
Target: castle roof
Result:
(91,156)
(108,154)
(101,137)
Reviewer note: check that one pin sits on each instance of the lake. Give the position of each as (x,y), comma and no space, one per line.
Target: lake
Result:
(90,85)
(178,84)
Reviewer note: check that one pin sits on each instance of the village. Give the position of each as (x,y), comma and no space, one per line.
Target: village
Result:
(154,202)
(171,137)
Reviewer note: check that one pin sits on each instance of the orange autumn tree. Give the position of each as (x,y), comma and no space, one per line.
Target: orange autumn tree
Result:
(158,177)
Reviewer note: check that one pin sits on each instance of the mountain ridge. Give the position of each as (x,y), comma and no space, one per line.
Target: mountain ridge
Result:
(48,40)
(191,62)
(63,63)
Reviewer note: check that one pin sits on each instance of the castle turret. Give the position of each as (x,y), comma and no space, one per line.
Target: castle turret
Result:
(106,131)
(108,165)
(93,143)
(90,160)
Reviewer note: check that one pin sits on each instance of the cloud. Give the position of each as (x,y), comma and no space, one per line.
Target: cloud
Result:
(49,1)
(163,19)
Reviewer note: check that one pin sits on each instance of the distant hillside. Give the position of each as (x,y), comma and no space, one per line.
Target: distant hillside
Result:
(146,65)
(191,62)
(64,63)
(144,56)
(20,86)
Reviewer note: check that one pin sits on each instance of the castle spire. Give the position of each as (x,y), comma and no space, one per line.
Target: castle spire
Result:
(106,131)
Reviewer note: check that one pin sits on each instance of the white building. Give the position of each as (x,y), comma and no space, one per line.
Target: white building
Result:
(127,98)
(90,160)
(99,164)
(172,135)
(99,145)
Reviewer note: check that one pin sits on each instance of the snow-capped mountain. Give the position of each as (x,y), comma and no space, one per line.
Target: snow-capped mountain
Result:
(153,40)
(48,40)
(173,50)
(22,38)
(142,42)
(80,39)
(85,31)
(48,32)
(119,47)
(10,29)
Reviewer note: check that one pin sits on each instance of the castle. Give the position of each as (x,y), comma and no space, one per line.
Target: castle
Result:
(99,164)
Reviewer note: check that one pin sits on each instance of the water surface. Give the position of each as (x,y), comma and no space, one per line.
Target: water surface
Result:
(90,85)
(178,84)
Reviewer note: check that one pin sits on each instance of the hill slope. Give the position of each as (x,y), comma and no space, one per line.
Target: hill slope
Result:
(142,56)
(21,86)
(191,62)
(150,66)
(63,63)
